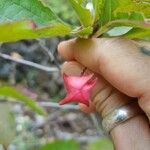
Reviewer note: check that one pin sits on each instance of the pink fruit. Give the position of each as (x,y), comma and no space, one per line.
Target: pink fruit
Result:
(78,88)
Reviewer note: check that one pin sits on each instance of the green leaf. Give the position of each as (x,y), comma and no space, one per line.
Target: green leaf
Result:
(83,14)
(122,15)
(136,6)
(118,23)
(118,31)
(136,16)
(112,13)
(7,124)
(85,32)
(82,1)
(11,10)
(138,33)
(101,144)
(12,93)
(65,12)
(130,23)
(61,145)
(97,4)
(14,31)
(107,10)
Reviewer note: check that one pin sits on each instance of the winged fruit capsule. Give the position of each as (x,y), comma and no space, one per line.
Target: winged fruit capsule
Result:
(78,88)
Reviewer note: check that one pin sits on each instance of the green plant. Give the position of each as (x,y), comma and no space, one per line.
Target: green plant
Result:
(10,93)
(101,144)
(7,125)
(63,144)
(32,19)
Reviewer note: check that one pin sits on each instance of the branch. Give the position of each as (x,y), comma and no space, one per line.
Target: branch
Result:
(48,52)
(29,63)
(43,104)
(56,105)
(42,44)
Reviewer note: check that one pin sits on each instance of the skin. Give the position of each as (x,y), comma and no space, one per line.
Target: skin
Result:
(123,70)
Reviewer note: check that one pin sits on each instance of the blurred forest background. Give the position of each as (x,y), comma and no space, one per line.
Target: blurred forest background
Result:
(64,128)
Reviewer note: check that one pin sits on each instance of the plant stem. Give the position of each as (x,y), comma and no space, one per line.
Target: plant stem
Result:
(56,105)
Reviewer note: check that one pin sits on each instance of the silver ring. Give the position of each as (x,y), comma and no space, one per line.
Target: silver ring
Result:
(120,115)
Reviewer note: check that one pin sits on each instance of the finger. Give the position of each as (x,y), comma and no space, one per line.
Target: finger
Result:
(86,109)
(65,49)
(144,103)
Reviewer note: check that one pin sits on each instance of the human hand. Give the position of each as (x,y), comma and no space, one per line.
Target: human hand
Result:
(123,71)
(122,67)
